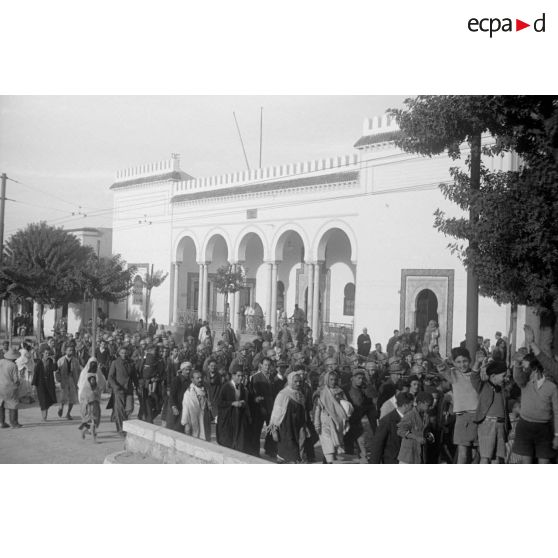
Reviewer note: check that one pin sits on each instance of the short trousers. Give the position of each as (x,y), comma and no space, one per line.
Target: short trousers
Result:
(492,439)
(94,411)
(465,430)
(534,439)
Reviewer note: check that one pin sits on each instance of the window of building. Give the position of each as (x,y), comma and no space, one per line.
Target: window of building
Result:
(349,300)
(137,290)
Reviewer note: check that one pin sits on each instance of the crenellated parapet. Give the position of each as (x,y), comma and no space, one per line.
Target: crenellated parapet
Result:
(150,169)
(268,174)
(164,171)
(378,132)
(379,124)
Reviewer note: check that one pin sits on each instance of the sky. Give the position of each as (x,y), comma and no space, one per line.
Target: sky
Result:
(64,151)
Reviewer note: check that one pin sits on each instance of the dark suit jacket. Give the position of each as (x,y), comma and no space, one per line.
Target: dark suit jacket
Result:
(231,337)
(122,376)
(261,386)
(233,423)
(487,395)
(386,443)
(178,388)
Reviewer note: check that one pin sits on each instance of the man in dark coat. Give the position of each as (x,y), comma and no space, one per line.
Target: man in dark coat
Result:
(122,379)
(262,397)
(363,417)
(233,425)
(284,335)
(364,343)
(151,385)
(152,328)
(386,443)
(43,380)
(241,361)
(104,357)
(213,388)
(197,328)
(500,349)
(267,335)
(230,335)
(188,331)
(178,388)
(68,370)
(391,343)
(280,378)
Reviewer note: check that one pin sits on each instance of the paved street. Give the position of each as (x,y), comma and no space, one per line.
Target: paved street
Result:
(57,440)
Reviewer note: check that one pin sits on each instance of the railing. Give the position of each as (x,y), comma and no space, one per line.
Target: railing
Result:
(331,331)
(188,315)
(251,324)
(215,319)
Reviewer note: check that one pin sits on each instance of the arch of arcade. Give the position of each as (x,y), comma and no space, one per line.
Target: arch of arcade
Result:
(313,270)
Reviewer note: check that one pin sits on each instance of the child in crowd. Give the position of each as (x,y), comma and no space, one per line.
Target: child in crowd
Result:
(412,429)
(514,419)
(487,378)
(90,392)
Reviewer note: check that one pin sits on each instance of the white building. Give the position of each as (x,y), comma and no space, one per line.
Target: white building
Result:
(77,315)
(350,239)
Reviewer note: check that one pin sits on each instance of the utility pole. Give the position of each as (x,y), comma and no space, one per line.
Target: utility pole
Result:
(472,316)
(2,212)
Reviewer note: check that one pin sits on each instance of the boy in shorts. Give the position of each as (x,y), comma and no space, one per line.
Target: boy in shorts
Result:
(465,402)
(487,378)
(536,434)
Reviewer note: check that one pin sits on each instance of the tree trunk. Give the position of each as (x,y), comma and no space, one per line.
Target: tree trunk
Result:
(147,301)
(472,315)
(9,320)
(225,310)
(39,332)
(547,319)
(512,334)
(93,326)
(148,296)
(4,307)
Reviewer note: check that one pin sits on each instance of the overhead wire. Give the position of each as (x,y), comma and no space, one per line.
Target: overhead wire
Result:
(417,188)
(42,206)
(151,204)
(50,194)
(212,213)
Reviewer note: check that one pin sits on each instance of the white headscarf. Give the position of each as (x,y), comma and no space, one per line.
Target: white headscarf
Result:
(83,384)
(282,400)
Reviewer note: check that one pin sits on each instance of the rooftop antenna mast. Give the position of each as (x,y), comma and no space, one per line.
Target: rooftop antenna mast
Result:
(241,142)
(261,134)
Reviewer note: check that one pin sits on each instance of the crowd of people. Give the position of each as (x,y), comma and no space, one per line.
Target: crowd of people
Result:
(286,396)
(22,324)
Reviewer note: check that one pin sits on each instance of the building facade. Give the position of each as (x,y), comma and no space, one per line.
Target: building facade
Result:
(76,316)
(350,239)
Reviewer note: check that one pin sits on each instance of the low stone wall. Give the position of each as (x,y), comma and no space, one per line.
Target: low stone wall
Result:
(169,446)
(129,458)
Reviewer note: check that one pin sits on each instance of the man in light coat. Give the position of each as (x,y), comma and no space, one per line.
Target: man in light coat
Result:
(9,386)
(196,417)
(67,374)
